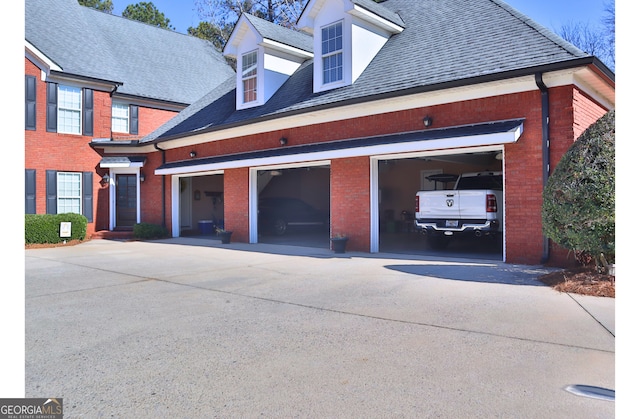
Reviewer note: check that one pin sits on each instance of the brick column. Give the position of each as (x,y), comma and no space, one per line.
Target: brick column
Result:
(236,203)
(350,198)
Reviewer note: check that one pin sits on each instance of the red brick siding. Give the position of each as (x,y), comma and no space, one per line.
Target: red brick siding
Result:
(350,199)
(151,193)
(573,112)
(570,113)
(148,120)
(236,203)
(65,152)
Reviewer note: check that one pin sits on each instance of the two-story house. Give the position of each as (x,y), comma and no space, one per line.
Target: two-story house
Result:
(90,76)
(354,112)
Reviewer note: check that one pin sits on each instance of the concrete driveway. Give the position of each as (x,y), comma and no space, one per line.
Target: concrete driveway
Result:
(190,328)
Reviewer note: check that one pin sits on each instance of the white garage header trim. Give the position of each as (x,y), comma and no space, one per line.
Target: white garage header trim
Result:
(360,148)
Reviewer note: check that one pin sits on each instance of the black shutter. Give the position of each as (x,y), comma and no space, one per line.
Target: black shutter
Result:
(29,191)
(52,107)
(52,192)
(87,112)
(87,195)
(29,102)
(133,119)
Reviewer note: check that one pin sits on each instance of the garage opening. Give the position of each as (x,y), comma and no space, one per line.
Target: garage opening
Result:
(293,206)
(201,205)
(399,179)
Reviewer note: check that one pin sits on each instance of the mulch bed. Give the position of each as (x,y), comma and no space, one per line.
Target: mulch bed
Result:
(582,280)
(48,245)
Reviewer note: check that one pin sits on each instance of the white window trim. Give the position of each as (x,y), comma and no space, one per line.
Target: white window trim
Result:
(128,117)
(318,80)
(337,52)
(61,125)
(254,76)
(59,196)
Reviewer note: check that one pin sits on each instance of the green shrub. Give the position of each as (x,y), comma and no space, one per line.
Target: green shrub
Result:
(45,228)
(578,210)
(149,231)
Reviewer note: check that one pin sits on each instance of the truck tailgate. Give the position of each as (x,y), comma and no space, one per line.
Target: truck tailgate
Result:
(438,204)
(473,204)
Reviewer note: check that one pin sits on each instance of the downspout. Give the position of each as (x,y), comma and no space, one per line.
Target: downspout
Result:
(546,168)
(164,223)
(111,97)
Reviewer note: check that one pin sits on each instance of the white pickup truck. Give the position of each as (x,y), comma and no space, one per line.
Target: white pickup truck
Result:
(472,207)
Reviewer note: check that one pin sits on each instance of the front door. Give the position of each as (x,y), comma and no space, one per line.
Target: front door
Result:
(126,200)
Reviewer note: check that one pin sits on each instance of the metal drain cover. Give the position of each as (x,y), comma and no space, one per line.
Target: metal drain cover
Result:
(591,391)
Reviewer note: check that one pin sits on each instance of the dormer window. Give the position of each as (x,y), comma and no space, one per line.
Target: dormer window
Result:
(332,53)
(267,55)
(250,77)
(347,35)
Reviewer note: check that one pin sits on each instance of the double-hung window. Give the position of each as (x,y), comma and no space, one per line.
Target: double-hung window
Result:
(250,77)
(69,193)
(120,117)
(69,109)
(332,53)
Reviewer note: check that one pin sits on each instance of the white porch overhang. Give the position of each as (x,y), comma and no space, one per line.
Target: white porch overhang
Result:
(122,161)
(450,138)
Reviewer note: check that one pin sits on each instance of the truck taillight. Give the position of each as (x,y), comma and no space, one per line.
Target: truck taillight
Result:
(492,203)
(417,203)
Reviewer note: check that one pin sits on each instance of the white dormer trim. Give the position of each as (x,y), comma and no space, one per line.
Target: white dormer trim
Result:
(286,49)
(276,62)
(375,20)
(363,35)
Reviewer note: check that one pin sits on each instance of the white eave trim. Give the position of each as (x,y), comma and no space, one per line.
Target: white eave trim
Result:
(278,46)
(39,58)
(380,22)
(120,165)
(507,137)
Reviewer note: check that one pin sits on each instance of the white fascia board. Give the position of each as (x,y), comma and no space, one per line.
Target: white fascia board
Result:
(376,20)
(287,49)
(306,20)
(587,81)
(236,37)
(385,149)
(147,103)
(39,58)
(115,165)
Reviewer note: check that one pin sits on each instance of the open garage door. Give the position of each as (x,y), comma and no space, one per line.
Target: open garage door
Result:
(201,205)
(398,180)
(293,205)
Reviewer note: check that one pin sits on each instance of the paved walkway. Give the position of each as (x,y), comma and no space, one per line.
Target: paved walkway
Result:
(191,328)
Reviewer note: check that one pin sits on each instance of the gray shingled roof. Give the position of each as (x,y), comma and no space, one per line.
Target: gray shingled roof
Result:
(270,30)
(444,43)
(150,62)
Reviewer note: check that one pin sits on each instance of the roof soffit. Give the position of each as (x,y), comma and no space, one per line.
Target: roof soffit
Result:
(238,35)
(306,22)
(375,20)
